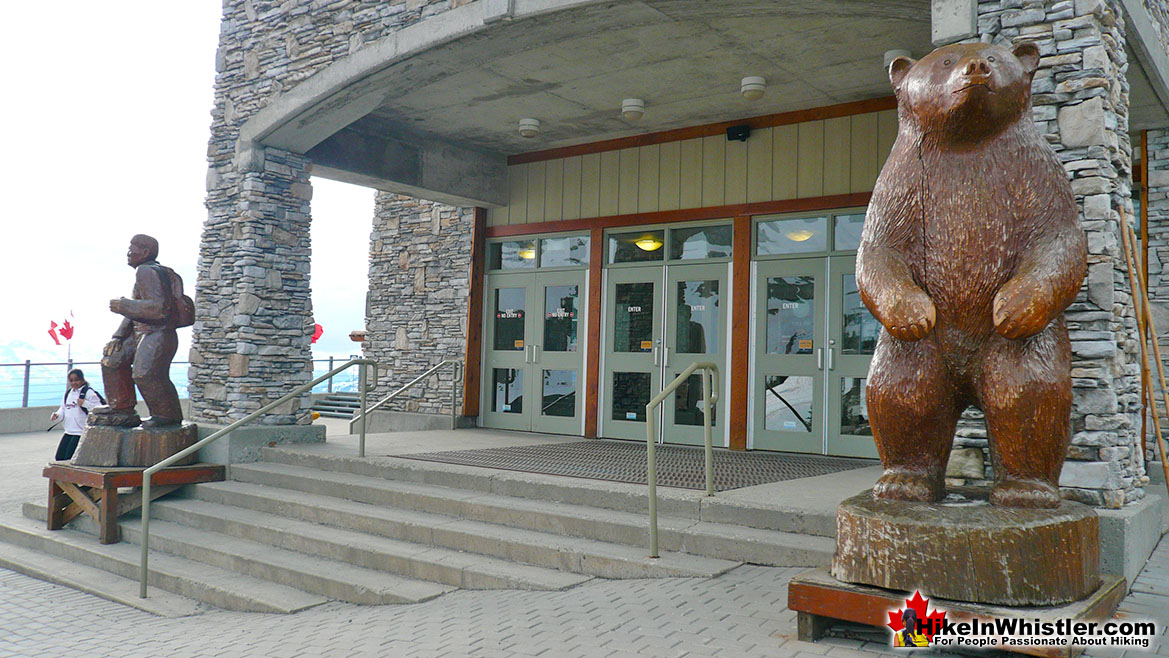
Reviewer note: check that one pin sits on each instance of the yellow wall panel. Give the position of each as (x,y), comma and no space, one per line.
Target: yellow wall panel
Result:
(810,174)
(669,165)
(714,165)
(759,166)
(497,216)
(784,161)
(627,181)
(837,155)
(864,153)
(570,195)
(886,133)
(554,191)
(536,175)
(736,168)
(517,194)
(610,176)
(647,178)
(590,185)
(690,173)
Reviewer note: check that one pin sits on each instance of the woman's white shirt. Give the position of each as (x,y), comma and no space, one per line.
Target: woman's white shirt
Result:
(71,415)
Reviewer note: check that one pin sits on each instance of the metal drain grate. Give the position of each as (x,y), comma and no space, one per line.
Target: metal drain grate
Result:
(624,461)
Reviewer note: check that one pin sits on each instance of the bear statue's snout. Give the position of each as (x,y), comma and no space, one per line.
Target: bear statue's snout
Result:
(977,67)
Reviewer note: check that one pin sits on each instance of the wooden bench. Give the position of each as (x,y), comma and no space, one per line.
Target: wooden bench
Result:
(93,490)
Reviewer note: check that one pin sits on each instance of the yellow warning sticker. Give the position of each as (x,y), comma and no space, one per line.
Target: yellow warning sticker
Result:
(647,344)
(805,344)
(519,344)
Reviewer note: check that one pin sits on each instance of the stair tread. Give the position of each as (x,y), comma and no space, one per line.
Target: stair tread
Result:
(678,561)
(550,578)
(97,582)
(381,582)
(527,505)
(268,596)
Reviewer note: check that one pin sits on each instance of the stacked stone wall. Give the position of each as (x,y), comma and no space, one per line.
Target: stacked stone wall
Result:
(1157,186)
(253,308)
(1080,99)
(419,281)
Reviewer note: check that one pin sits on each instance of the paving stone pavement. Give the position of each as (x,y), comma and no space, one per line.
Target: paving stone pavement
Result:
(742,613)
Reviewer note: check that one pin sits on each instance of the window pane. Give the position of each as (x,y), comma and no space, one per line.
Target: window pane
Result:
(634,321)
(697,317)
(509,318)
(560,317)
(848,232)
(559,393)
(630,395)
(854,410)
(636,247)
(790,314)
(704,242)
(788,403)
(860,329)
(688,403)
(791,236)
(572,251)
(507,391)
(519,255)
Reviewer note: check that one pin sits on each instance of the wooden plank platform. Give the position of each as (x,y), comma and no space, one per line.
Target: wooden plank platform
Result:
(820,599)
(93,490)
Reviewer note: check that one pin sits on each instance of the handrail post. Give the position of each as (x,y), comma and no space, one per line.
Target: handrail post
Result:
(363,387)
(651,479)
(707,376)
(143,571)
(27,371)
(455,396)
(330,389)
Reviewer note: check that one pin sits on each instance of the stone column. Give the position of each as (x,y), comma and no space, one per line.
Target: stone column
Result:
(1080,98)
(1158,218)
(416,313)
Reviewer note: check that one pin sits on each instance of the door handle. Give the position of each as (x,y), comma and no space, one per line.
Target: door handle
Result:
(657,356)
(831,350)
(535,354)
(819,358)
(527,354)
(665,356)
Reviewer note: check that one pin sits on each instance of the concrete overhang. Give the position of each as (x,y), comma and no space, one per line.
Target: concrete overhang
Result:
(1147,110)
(432,110)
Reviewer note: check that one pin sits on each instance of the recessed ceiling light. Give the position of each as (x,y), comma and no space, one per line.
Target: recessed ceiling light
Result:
(632,109)
(752,87)
(529,127)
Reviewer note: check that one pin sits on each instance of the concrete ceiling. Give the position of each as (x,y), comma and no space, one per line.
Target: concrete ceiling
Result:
(572,68)
(1145,111)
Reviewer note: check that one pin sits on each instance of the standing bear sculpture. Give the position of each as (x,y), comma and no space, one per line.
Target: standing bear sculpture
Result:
(972,249)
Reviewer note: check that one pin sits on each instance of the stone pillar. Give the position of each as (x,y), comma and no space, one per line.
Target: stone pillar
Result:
(416,314)
(1080,98)
(1158,218)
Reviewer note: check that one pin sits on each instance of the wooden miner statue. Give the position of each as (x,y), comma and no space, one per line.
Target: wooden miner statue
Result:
(141,350)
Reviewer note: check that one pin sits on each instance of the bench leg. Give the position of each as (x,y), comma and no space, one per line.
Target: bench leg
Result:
(110,532)
(810,627)
(56,506)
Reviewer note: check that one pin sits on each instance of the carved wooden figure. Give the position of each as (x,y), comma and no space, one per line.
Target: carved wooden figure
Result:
(972,249)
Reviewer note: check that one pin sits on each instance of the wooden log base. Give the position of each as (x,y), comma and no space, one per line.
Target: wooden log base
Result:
(819,599)
(93,490)
(104,445)
(965,549)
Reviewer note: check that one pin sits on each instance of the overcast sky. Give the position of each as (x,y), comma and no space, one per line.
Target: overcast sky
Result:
(107,118)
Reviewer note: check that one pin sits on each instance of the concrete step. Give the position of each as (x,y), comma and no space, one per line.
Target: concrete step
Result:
(577,555)
(429,563)
(90,580)
(327,404)
(333,414)
(721,540)
(201,582)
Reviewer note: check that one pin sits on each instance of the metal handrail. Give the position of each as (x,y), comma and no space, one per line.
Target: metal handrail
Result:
(190,450)
(458,364)
(709,382)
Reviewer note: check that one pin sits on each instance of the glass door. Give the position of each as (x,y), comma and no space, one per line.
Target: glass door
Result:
(852,338)
(507,384)
(556,354)
(695,330)
(788,384)
(633,349)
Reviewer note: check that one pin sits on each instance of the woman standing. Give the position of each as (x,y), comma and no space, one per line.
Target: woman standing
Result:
(75,407)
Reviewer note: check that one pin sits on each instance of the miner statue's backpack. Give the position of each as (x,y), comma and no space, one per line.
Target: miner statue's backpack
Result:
(184,305)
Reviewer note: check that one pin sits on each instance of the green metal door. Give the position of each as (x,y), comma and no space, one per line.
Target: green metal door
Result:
(696,329)
(852,337)
(633,349)
(558,339)
(511,311)
(789,336)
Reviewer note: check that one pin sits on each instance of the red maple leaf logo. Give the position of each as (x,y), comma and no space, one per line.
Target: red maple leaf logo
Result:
(931,622)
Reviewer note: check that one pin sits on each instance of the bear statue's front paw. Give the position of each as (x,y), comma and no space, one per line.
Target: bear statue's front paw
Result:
(911,318)
(897,484)
(1011,492)
(1020,310)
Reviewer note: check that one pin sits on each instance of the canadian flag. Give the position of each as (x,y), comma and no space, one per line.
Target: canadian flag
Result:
(64,330)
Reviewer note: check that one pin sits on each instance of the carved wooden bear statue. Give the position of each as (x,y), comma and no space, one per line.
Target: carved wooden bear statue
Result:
(972,248)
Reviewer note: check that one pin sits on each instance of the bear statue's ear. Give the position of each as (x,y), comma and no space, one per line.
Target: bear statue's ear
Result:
(898,69)
(1028,54)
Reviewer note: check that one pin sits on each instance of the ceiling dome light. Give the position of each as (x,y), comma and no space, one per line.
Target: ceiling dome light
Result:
(800,235)
(632,109)
(752,87)
(527,253)
(529,127)
(648,243)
